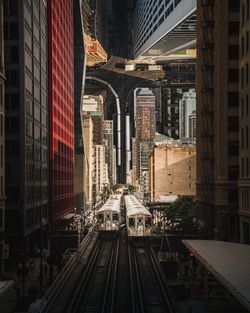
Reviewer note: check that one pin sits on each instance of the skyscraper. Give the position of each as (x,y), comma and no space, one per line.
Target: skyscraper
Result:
(61,108)
(186,106)
(109,145)
(244,124)
(2,138)
(145,132)
(26,123)
(218,123)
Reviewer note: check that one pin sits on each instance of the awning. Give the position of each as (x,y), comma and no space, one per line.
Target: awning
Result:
(228,262)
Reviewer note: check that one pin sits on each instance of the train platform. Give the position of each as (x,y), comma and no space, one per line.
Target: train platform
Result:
(228,263)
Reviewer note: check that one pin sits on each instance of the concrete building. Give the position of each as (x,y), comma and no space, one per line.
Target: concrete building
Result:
(109,146)
(99,172)
(172,171)
(170,108)
(2,141)
(145,133)
(244,124)
(186,106)
(217,88)
(87,130)
(192,126)
(162,27)
(26,125)
(145,115)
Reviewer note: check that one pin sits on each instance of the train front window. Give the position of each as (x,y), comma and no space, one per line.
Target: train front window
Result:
(131,222)
(148,221)
(115,217)
(100,218)
(108,217)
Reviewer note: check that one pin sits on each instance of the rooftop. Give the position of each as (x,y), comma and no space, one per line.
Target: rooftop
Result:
(228,262)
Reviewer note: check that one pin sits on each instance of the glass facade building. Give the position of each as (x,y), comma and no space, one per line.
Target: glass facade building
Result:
(61,108)
(26,124)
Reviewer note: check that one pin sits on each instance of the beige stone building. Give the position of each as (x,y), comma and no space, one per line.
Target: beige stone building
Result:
(2,161)
(172,171)
(87,129)
(217,89)
(244,123)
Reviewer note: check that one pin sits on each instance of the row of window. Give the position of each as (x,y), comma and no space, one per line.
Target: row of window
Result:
(244,137)
(244,107)
(245,12)
(245,200)
(245,167)
(244,75)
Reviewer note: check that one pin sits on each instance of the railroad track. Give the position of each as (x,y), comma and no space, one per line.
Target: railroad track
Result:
(149,292)
(96,287)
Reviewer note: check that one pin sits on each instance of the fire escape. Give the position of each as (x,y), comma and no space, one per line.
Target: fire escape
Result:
(207,111)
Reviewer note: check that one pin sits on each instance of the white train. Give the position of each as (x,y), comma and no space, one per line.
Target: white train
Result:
(109,215)
(138,218)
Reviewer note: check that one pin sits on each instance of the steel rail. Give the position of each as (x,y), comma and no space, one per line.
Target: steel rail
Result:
(56,287)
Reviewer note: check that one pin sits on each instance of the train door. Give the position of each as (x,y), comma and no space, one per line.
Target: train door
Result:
(108,221)
(140,226)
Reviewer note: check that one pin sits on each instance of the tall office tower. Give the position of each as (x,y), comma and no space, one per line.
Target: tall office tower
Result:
(61,107)
(145,130)
(26,121)
(244,123)
(161,27)
(186,106)
(170,111)
(79,80)
(2,137)
(218,123)
(145,115)
(192,126)
(109,145)
(99,171)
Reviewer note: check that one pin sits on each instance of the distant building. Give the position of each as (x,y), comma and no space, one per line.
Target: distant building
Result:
(192,126)
(109,146)
(87,130)
(172,171)
(145,133)
(2,140)
(187,105)
(145,115)
(99,171)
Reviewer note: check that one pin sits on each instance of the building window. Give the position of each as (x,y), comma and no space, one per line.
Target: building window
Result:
(233,123)
(242,46)
(247,41)
(246,233)
(242,77)
(233,99)
(242,168)
(247,73)
(233,75)
(246,105)
(247,136)
(233,148)
(233,196)
(242,107)
(233,28)
(234,6)
(247,9)
(233,172)
(242,15)
(242,138)
(247,168)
